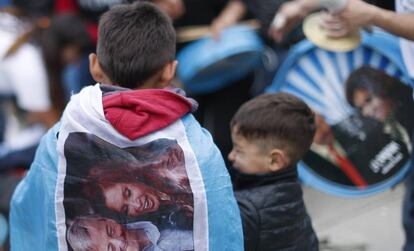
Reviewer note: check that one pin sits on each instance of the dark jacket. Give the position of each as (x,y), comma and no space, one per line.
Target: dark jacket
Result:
(264,11)
(273,213)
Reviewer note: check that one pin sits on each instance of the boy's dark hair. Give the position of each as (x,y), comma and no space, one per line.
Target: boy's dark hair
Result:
(282,120)
(135,41)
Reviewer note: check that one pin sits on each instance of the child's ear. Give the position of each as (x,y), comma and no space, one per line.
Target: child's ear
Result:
(168,74)
(96,71)
(278,160)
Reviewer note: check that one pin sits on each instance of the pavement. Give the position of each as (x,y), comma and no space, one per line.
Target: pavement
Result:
(371,223)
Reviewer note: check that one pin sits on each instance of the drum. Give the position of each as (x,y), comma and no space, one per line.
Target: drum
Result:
(207,65)
(363,102)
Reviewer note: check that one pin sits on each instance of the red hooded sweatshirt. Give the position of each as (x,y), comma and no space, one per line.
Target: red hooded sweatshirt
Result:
(137,113)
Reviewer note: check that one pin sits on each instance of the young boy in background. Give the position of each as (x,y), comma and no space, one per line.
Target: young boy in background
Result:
(270,134)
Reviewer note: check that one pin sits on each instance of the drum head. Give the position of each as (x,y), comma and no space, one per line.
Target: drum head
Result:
(207,65)
(317,35)
(363,101)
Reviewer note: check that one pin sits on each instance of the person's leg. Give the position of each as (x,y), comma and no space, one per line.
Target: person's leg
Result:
(408,209)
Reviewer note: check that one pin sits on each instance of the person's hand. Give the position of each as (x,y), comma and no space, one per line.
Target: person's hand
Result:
(356,14)
(289,15)
(230,15)
(219,25)
(334,26)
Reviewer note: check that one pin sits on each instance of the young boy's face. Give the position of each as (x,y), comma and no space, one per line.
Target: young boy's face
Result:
(247,156)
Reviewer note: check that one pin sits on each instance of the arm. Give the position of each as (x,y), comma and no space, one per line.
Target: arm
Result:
(173,8)
(358,14)
(230,15)
(289,15)
(399,24)
(47,118)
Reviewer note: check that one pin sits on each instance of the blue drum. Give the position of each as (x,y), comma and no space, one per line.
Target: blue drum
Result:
(207,65)
(363,104)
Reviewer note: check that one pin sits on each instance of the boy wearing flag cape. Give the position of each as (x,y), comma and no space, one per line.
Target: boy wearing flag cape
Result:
(169,169)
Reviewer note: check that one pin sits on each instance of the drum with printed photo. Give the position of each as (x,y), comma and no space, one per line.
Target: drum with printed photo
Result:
(363,103)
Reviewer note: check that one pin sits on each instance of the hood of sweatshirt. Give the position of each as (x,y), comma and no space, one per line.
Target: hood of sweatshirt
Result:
(135,113)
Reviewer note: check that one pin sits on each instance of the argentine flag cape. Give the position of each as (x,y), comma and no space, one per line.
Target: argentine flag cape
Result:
(40,212)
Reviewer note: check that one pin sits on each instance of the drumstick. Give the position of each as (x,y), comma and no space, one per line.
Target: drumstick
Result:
(190,33)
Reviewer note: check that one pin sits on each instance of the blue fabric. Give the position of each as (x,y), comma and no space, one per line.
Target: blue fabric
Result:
(225,233)
(32,216)
(5,3)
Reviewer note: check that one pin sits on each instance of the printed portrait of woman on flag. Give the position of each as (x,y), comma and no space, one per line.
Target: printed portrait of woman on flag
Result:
(145,183)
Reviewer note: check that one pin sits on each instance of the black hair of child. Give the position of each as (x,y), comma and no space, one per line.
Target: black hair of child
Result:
(135,42)
(280,119)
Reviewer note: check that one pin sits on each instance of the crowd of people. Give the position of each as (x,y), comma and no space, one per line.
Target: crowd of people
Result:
(100,151)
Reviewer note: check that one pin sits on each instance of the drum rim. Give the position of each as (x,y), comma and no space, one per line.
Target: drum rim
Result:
(193,65)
